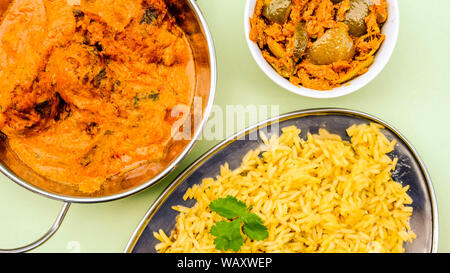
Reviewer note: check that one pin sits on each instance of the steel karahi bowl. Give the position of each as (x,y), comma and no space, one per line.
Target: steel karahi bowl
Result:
(191,20)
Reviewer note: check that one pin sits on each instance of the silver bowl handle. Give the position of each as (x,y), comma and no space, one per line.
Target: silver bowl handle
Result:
(46,236)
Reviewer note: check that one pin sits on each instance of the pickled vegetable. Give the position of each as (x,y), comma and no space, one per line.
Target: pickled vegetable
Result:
(284,67)
(300,41)
(335,45)
(353,73)
(277,11)
(354,17)
(276,49)
(319,46)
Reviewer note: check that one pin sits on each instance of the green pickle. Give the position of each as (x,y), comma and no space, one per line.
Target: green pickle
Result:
(277,11)
(300,41)
(354,17)
(335,45)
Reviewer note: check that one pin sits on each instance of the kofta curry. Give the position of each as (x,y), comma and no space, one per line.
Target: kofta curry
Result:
(87,87)
(319,44)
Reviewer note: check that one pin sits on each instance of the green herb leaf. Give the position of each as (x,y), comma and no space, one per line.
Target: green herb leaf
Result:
(229,207)
(96,81)
(228,235)
(254,228)
(154,96)
(136,100)
(149,16)
(77,13)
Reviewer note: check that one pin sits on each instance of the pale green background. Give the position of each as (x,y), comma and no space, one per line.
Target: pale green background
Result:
(412,94)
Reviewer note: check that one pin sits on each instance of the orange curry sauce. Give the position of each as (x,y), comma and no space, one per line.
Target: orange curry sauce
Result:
(87,87)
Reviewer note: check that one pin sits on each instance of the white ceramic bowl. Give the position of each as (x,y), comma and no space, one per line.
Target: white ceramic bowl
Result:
(390,29)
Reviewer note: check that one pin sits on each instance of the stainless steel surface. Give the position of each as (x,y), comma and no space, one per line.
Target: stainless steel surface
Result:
(410,171)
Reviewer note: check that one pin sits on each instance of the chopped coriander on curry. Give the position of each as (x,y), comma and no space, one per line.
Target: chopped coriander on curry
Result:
(97,80)
(149,16)
(153,95)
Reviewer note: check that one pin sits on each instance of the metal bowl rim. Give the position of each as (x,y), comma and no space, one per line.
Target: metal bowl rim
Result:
(168,169)
(315,111)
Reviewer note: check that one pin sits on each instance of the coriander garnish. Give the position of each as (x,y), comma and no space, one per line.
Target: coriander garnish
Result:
(228,234)
(149,16)
(96,81)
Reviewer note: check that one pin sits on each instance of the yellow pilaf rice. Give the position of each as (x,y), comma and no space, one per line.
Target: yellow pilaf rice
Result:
(322,194)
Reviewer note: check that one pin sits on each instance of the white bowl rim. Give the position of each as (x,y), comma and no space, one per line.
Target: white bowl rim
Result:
(382,57)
